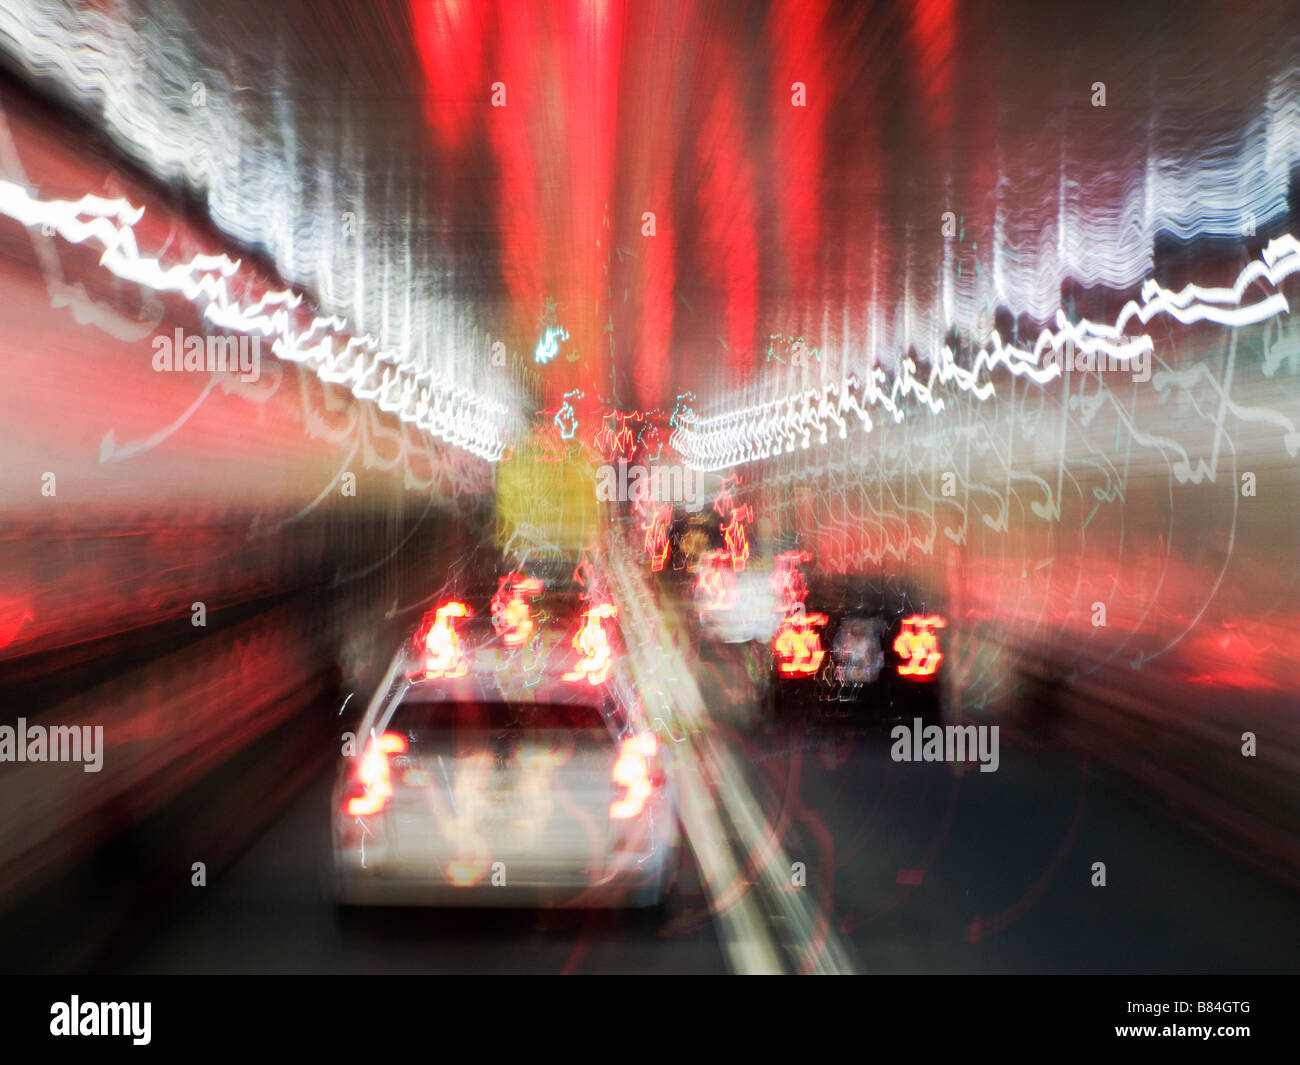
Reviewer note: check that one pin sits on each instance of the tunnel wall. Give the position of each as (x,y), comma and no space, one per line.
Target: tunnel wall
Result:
(1118,561)
(198,563)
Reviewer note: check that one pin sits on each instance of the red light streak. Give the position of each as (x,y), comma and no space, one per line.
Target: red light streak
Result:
(787,581)
(656,537)
(615,439)
(375,775)
(800,31)
(632,772)
(441,644)
(13,616)
(728,204)
(733,535)
(798,644)
(511,617)
(592,642)
(919,645)
(716,584)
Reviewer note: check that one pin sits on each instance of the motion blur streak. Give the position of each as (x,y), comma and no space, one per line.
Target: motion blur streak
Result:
(457,415)
(727,810)
(766,375)
(725,440)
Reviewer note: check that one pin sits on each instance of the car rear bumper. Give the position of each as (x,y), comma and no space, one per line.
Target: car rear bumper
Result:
(626,882)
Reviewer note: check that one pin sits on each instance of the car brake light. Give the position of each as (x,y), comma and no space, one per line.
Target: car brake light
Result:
(373,786)
(798,645)
(636,771)
(716,584)
(733,535)
(593,644)
(787,580)
(511,617)
(656,540)
(441,644)
(918,646)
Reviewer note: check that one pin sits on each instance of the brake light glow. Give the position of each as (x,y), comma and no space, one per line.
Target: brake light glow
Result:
(798,645)
(918,646)
(469,791)
(443,657)
(633,772)
(615,439)
(374,775)
(592,642)
(656,537)
(716,583)
(511,617)
(733,535)
(787,581)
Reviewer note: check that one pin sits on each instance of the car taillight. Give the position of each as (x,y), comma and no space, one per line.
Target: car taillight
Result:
(656,540)
(787,581)
(373,784)
(918,646)
(637,771)
(716,584)
(592,642)
(440,643)
(798,645)
(733,535)
(511,617)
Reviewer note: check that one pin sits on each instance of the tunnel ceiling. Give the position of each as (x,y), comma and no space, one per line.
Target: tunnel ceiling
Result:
(647,199)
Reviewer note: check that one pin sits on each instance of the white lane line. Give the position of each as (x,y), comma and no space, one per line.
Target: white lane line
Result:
(748,948)
(745,933)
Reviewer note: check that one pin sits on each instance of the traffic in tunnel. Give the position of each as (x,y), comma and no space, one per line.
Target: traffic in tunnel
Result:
(806,487)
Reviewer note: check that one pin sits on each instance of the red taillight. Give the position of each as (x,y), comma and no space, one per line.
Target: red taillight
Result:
(637,772)
(656,540)
(592,642)
(716,584)
(511,617)
(787,581)
(374,781)
(918,646)
(798,646)
(733,535)
(440,643)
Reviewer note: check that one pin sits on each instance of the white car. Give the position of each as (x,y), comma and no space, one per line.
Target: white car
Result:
(494,786)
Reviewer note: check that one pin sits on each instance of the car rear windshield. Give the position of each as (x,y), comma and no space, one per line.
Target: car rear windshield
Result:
(435,721)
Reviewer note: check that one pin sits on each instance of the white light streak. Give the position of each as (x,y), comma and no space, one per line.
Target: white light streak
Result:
(758,432)
(457,415)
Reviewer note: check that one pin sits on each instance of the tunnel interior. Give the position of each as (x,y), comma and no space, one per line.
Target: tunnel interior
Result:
(890,372)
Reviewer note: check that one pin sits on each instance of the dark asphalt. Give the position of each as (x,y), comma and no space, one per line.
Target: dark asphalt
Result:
(923,871)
